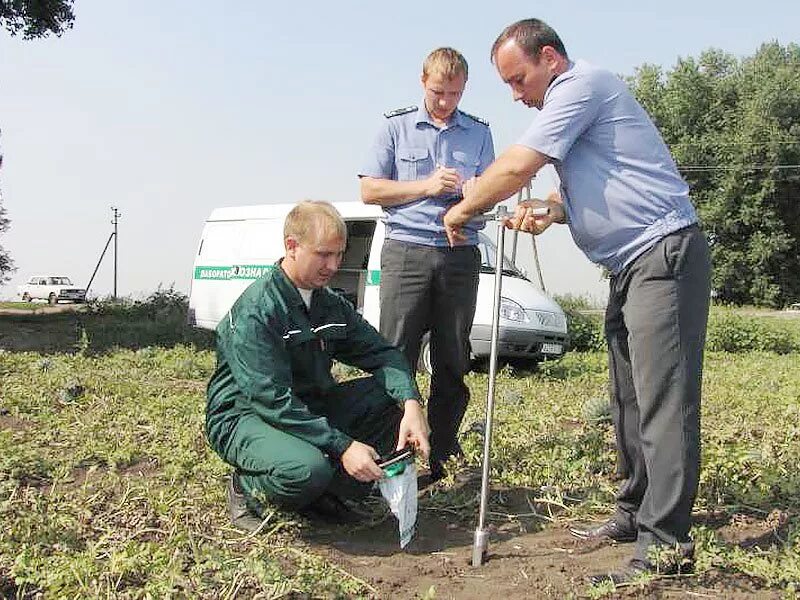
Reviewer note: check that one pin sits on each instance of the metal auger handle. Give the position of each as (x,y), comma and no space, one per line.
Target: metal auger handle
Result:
(481,542)
(500,214)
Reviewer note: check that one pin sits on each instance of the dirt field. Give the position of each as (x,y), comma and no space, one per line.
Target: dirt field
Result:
(528,557)
(39,308)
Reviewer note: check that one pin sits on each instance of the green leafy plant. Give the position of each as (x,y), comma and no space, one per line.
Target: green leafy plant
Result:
(729,331)
(110,489)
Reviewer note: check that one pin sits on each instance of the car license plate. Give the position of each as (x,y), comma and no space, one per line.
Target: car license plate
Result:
(550,348)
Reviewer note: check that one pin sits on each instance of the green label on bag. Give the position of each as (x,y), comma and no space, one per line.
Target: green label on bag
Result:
(395,469)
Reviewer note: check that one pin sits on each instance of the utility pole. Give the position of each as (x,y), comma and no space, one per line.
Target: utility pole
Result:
(117,215)
(113,236)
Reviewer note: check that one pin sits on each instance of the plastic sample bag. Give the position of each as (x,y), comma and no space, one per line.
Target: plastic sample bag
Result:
(400,491)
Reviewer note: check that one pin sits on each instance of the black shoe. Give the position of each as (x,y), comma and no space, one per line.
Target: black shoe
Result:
(436,465)
(638,569)
(437,470)
(610,530)
(331,509)
(240,514)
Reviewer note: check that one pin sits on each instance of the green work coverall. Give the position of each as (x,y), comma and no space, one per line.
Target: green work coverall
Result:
(275,412)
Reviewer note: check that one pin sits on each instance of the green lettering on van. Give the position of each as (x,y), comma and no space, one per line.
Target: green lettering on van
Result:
(212,272)
(231,272)
(225,273)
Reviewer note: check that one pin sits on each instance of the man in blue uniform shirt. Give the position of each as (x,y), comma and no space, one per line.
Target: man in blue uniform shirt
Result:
(628,209)
(415,170)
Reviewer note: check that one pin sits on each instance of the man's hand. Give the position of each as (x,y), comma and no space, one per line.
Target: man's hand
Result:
(443,181)
(468,187)
(454,220)
(359,462)
(414,429)
(526,219)
(456,216)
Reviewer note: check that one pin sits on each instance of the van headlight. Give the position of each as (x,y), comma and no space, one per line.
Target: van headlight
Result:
(512,311)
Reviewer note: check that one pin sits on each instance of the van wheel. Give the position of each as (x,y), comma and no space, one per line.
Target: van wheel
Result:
(52,298)
(26,297)
(424,361)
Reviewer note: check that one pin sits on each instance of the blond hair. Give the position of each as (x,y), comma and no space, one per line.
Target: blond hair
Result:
(447,62)
(310,220)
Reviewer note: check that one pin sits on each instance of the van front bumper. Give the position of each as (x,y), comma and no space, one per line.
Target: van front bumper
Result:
(518,342)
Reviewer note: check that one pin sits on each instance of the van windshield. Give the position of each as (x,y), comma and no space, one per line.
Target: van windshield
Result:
(489,258)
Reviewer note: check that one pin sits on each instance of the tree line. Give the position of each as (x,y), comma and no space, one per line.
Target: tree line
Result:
(733,126)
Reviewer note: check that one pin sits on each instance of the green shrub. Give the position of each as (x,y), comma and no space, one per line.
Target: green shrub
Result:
(728,330)
(158,320)
(584,322)
(585,331)
(573,302)
(163,303)
(732,332)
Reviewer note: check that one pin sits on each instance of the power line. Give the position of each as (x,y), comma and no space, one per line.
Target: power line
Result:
(743,143)
(752,167)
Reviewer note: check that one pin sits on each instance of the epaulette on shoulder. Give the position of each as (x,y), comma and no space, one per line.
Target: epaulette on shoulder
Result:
(399,111)
(474,118)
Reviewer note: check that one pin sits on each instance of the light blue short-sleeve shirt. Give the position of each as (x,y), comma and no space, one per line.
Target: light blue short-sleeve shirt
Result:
(621,188)
(409,147)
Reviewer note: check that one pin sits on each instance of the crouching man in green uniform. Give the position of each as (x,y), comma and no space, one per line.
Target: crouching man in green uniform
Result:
(275,413)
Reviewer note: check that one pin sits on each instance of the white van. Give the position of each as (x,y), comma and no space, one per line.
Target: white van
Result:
(239,243)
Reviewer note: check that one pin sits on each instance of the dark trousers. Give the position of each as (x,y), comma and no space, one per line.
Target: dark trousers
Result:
(428,288)
(655,327)
(293,473)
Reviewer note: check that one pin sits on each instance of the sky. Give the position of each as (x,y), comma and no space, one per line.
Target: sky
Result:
(167,113)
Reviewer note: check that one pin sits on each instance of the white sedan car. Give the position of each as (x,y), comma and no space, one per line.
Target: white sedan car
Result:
(52,289)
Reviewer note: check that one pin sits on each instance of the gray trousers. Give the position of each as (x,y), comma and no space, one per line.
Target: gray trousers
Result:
(655,327)
(431,288)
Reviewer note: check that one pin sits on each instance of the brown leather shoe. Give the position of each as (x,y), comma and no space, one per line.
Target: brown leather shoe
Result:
(610,530)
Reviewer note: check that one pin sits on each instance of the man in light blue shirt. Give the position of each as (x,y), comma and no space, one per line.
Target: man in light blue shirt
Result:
(628,209)
(415,170)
